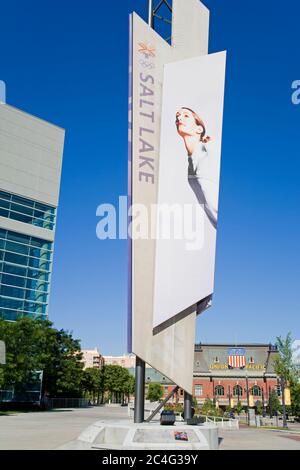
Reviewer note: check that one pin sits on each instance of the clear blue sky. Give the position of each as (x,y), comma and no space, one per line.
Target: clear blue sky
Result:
(66,62)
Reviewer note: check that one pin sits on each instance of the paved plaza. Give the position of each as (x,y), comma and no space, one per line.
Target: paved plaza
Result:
(53,429)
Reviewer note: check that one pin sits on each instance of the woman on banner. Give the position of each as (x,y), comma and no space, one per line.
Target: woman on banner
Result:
(202,174)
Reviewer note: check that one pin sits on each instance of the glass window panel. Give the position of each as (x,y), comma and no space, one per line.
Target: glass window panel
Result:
(12,292)
(36,296)
(17,247)
(2,233)
(23,200)
(45,208)
(27,219)
(1,255)
(4,195)
(4,212)
(2,243)
(11,303)
(37,284)
(43,254)
(9,315)
(17,237)
(38,275)
(8,268)
(38,222)
(16,259)
(13,280)
(22,209)
(4,203)
(36,308)
(39,264)
(41,243)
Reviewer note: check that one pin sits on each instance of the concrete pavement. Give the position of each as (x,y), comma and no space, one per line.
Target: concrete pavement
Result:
(53,429)
(258,439)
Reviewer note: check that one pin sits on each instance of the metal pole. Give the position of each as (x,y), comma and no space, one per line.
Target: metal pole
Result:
(247,391)
(229,401)
(270,403)
(150,13)
(187,406)
(283,403)
(139,399)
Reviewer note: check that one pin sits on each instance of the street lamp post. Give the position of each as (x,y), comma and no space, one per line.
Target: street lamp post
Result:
(247,392)
(270,403)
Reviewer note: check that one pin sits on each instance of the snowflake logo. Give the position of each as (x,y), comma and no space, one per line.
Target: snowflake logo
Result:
(147,50)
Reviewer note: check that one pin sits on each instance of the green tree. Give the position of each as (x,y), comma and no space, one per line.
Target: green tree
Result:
(117,382)
(34,345)
(155,392)
(238,408)
(129,387)
(283,365)
(286,370)
(93,384)
(295,398)
(259,408)
(209,409)
(275,403)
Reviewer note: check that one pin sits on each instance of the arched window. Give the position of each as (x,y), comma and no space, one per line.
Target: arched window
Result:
(219,391)
(237,391)
(256,391)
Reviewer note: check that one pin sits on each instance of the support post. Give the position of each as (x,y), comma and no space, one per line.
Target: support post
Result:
(139,399)
(150,13)
(270,403)
(187,406)
(247,391)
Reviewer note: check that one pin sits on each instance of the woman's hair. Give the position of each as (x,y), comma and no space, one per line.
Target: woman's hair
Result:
(199,122)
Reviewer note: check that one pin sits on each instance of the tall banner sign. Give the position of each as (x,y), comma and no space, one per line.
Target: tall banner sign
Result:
(175,105)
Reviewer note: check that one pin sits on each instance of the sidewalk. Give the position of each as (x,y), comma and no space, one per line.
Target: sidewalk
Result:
(258,439)
(51,429)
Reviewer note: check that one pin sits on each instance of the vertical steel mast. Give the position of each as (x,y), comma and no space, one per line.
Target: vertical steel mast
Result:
(156,12)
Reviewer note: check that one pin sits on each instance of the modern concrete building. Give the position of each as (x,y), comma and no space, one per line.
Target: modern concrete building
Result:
(30,169)
(126,361)
(92,359)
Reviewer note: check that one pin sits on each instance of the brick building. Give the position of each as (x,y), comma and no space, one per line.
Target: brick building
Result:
(253,379)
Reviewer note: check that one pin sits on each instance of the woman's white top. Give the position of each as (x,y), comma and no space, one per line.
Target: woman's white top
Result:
(203,179)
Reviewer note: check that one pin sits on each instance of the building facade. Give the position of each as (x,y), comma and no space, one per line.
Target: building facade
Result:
(229,374)
(30,170)
(127,361)
(92,359)
(223,373)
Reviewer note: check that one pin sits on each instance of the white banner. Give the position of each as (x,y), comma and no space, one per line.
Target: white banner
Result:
(188,186)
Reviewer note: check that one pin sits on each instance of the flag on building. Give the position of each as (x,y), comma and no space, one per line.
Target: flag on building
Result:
(236,358)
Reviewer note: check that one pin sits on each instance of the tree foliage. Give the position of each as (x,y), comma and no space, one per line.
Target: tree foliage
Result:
(286,370)
(284,367)
(209,409)
(34,345)
(238,408)
(118,381)
(155,392)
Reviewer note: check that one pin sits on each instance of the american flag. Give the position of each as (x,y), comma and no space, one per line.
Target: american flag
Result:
(236,358)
